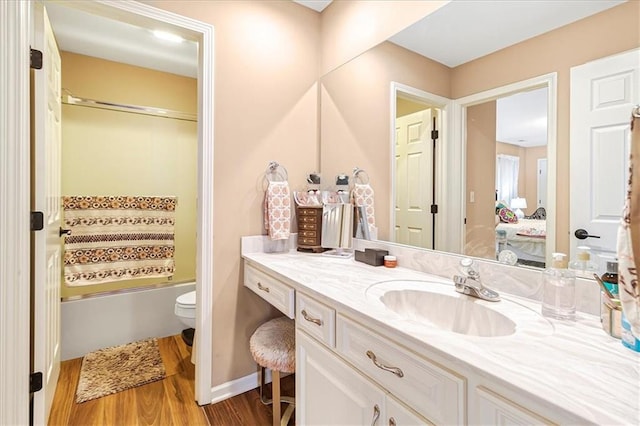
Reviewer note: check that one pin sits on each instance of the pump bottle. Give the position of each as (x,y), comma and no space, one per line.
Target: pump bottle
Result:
(559,290)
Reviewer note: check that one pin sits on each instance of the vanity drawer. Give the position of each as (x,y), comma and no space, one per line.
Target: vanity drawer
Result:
(311,234)
(274,291)
(312,226)
(316,319)
(434,392)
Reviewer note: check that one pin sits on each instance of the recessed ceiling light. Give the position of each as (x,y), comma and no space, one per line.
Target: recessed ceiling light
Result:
(163,35)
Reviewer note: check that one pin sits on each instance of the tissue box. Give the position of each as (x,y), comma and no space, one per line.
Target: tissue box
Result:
(371,257)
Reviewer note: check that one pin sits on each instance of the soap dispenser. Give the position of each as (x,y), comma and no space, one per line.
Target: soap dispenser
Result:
(559,290)
(582,266)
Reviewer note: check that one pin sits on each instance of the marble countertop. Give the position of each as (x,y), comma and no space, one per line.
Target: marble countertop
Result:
(573,367)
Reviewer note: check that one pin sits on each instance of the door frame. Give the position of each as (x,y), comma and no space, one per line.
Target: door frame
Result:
(16,25)
(15,231)
(445,105)
(457,177)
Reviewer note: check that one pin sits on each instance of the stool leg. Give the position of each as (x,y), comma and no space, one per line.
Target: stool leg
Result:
(263,399)
(275,386)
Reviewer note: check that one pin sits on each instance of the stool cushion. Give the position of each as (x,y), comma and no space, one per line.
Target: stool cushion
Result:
(273,345)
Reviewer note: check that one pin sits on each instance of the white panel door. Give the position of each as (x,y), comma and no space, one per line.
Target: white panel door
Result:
(329,392)
(603,93)
(413,179)
(46,151)
(541,200)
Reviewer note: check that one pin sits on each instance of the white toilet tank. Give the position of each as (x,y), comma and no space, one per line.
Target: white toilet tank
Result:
(185,308)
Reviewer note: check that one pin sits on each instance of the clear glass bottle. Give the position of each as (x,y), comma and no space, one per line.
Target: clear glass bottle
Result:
(559,290)
(582,266)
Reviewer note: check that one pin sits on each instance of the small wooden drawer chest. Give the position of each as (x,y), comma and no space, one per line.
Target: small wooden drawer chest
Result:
(309,229)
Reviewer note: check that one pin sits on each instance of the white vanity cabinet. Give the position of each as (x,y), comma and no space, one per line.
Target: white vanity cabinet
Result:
(274,291)
(349,371)
(330,392)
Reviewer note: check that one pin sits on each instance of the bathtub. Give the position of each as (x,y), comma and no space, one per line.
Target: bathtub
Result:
(103,320)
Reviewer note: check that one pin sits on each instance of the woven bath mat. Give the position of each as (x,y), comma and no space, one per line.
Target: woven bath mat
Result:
(118,368)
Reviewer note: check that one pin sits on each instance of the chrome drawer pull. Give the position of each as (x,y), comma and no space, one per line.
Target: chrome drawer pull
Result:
(263,288)
(376,415)
(306,316)
(394,370)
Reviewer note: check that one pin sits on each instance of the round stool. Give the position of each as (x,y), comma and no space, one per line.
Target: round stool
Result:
(273,346)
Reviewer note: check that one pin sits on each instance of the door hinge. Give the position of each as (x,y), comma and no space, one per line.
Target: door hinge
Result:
(434,208)
(36,59)
(37,221)
(434,135)
(35,382)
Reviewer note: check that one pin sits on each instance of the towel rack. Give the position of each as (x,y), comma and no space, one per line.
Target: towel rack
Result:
(357,172)
(275,171)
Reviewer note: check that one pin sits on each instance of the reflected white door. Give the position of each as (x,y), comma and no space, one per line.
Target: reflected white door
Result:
(46,149)
(413,179)
(603,93)
(542,183)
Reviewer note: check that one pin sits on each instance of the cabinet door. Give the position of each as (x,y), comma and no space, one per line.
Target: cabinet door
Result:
(329,392)
(497,410)
(399,415)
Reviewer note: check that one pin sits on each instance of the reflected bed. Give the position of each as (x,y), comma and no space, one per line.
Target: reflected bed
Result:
(527,239)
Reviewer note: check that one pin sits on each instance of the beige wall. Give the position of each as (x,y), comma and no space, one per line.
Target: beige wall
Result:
(355,109)
(612,31)
(481,157)
(266,108)
(117,153)
(352,27)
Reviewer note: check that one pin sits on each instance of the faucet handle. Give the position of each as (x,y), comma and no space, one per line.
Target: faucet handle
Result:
(469,268)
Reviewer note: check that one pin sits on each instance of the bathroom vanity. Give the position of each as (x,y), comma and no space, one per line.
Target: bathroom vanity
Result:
(398,346)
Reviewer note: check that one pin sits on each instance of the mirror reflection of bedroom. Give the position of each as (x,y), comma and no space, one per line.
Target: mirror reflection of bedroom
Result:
(506,172)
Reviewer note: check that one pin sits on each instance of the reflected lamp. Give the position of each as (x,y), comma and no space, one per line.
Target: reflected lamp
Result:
(517,204)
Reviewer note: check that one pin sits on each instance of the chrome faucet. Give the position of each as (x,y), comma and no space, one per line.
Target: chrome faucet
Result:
(470,283)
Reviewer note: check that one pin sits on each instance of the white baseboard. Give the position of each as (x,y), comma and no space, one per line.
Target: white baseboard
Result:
(236,387)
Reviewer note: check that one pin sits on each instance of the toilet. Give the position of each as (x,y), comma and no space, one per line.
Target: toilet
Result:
(185,309)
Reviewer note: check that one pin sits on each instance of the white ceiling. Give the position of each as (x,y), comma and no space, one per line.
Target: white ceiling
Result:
(464,30)
(521,119)
(92,35)
(317,5)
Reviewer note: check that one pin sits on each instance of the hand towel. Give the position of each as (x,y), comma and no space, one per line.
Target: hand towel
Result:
(116,238)
(277,210)
(629,239)
(362,195)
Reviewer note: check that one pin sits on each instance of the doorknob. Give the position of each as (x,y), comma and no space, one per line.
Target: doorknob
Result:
(582,234)
(65,231)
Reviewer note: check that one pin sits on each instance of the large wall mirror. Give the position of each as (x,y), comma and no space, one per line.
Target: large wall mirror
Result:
(493,108)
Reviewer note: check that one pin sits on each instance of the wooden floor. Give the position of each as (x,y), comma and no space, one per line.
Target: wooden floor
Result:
(246,409)
(170,401)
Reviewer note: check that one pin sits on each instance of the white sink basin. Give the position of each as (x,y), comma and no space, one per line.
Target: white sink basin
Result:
(436,304)
(457,314)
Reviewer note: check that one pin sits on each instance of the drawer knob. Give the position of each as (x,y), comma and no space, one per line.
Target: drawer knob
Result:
(306,316)
(395,370)
(376,415)
(392,421)
(263,288)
